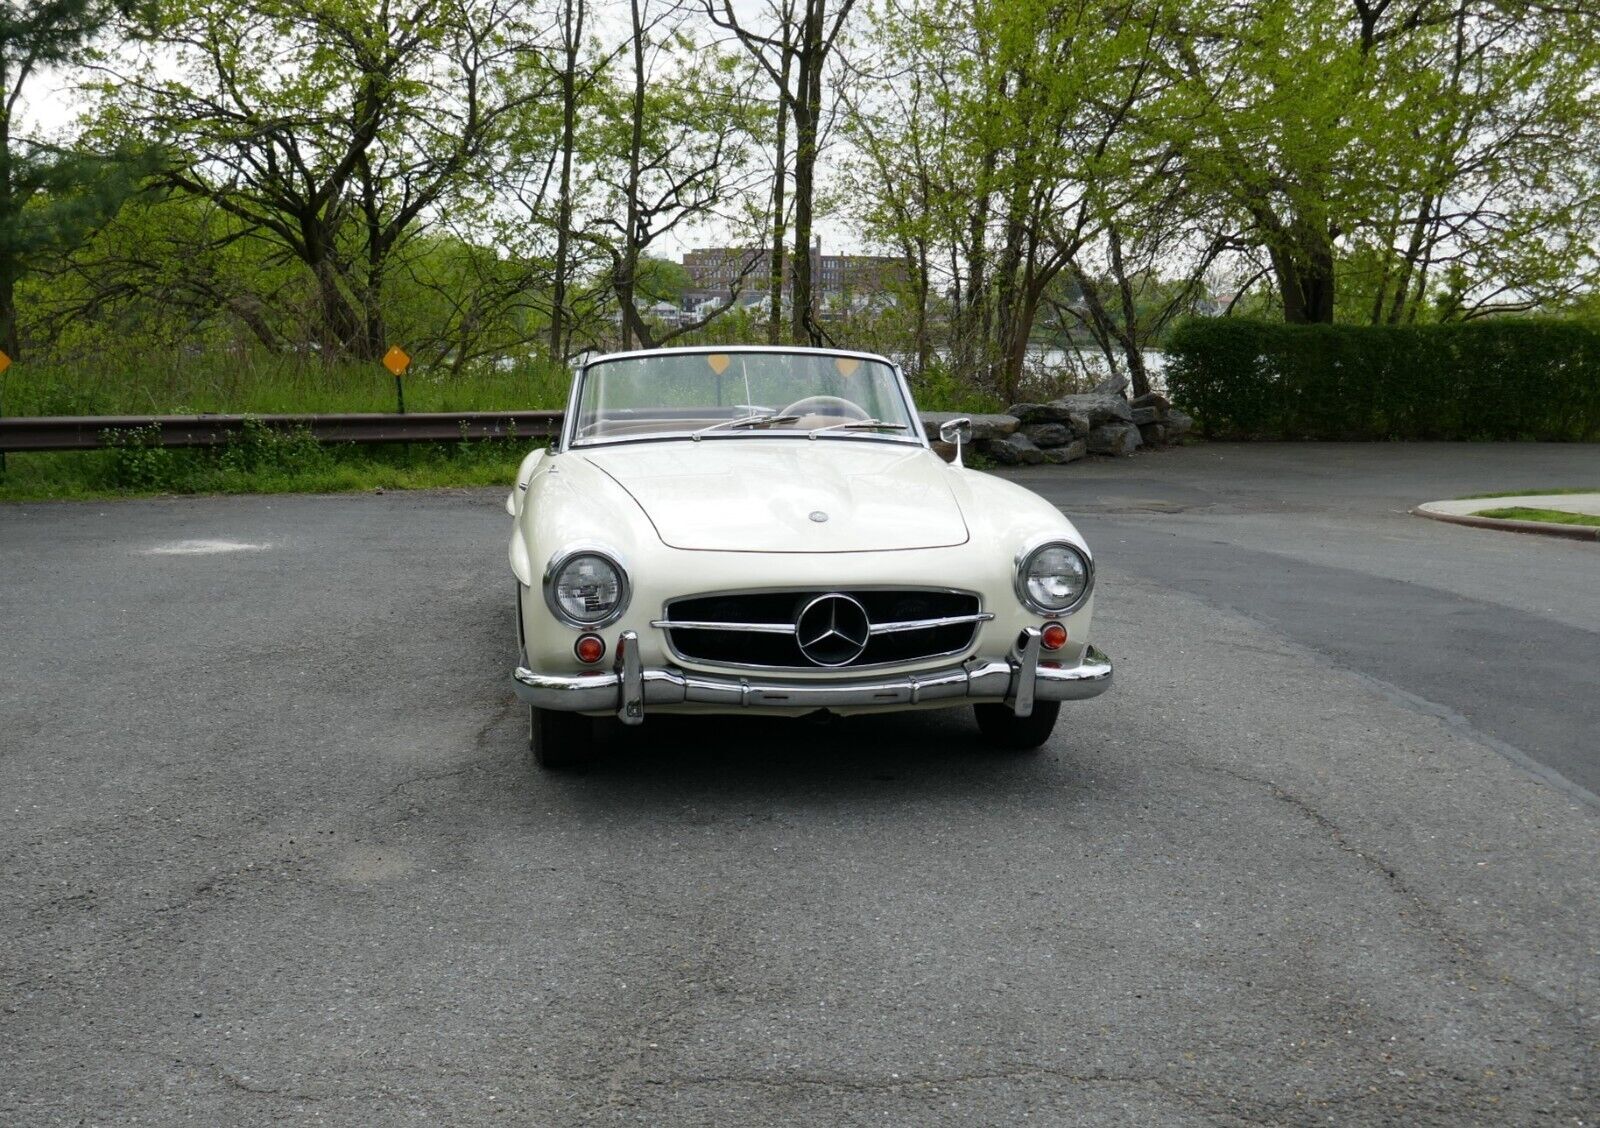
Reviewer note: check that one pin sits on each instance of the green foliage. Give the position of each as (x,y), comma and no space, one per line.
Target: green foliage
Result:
(139,462)
(262,461)
(1495,379)
(259,447)
(258,383)
(1549,516)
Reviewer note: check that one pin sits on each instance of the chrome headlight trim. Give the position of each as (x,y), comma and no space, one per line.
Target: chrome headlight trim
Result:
(566,556)
(1019,575)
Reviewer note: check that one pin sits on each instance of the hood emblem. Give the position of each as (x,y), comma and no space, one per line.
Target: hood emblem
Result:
(832,630)
(818,516)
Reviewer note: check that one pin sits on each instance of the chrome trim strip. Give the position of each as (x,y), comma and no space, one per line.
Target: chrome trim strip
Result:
(754,628)
(788,628)
(930,624)
(974,680)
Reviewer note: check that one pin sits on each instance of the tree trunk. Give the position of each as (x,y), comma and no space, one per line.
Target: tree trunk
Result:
(805,163)
(779,181)
(1128,338)
(572,36)
(628,265)
(8,310)
(1304,271)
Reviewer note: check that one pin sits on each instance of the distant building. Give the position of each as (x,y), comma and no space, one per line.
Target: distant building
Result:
(715,272)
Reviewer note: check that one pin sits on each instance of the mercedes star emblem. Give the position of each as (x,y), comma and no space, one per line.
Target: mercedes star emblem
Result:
(832,630)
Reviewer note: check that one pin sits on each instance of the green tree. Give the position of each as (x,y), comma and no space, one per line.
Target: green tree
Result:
(51,197)
(331,128)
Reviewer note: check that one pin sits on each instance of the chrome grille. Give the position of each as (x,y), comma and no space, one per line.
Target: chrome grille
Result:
(759,629)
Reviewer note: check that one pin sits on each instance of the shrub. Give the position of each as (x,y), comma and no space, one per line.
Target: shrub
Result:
(1496,379)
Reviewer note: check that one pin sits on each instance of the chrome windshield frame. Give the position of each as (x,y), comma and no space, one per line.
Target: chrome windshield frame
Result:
(916,435)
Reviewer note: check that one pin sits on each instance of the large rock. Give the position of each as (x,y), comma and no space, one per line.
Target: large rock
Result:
(1143,415)
(983,426)
(1013,450)
(1073,451)
(1114,438)
(1099,409)
(1178,423)
(1150,399)
(1153,434)
(1113,385)
(1039,412)
(1047,434)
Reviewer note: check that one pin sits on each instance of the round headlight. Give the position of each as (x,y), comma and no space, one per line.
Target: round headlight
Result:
(1054,578)
(586,589)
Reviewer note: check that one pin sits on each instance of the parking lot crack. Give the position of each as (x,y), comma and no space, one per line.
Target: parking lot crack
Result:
(1421,912)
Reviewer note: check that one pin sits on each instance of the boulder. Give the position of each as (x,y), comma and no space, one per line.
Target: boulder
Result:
(1144,415)
(983,426)
(1013,450)
(1178,423)
(1040,412)
(1113,385)
(1073,451)
(1150,399)
(1153,434)
(1047,434)
(1097,408)
(1079,423)
(1114,438)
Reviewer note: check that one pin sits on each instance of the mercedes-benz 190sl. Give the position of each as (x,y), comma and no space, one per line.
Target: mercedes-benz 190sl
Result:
(768,530)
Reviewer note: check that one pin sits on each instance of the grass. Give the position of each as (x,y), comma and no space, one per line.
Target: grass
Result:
(1533,493)
(257,385)
(263,461)
(1554,516)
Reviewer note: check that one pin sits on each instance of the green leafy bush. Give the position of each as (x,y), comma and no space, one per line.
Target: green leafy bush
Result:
(1496,379)
(139,462)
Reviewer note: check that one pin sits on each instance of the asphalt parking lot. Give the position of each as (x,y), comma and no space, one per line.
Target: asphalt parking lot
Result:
(1328,853)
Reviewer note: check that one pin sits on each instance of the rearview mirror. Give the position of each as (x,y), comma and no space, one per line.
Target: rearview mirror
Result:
(957,431)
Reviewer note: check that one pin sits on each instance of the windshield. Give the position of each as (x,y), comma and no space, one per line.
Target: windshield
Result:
(741,393)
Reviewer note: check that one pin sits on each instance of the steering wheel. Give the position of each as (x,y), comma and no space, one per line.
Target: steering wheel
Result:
(826,405)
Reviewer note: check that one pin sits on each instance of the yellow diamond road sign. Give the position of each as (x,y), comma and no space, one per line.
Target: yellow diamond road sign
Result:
(5,361)
(396,360)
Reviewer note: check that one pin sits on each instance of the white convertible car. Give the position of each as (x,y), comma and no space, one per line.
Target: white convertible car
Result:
(766,530)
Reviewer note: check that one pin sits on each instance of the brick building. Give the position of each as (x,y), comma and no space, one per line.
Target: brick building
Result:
(715,271)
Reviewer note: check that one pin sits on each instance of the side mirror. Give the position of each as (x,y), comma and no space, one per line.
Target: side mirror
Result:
(957,431)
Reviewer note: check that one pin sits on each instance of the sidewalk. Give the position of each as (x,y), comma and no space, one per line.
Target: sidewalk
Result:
(1465,512)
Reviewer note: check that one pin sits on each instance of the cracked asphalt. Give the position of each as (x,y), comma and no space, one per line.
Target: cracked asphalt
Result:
(1328,853)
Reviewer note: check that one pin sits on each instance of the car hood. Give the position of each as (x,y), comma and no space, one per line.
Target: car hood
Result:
(762,494)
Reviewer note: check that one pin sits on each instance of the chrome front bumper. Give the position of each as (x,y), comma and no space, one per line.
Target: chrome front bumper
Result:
(1018,680)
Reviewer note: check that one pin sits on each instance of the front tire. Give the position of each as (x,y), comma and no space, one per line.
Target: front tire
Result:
(560,742)
(1003,729)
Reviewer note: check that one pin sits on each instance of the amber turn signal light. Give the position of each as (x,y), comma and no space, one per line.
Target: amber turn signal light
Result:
(1053,636)
(590,649)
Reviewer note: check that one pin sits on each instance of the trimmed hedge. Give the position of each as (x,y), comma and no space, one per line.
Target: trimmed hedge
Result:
(1497,379)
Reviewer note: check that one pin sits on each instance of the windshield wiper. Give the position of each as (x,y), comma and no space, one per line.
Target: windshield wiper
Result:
(859,425)
(745,421)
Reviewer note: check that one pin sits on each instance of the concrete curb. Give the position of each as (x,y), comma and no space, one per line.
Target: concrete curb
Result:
(1542,528)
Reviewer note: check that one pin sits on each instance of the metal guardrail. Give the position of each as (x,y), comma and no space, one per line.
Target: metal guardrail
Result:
(90,432)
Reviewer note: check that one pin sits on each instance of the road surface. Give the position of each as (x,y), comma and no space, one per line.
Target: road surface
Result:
(1327,853)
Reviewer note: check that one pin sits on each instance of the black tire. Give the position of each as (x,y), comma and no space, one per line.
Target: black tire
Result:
(560,742)
(1004,729)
